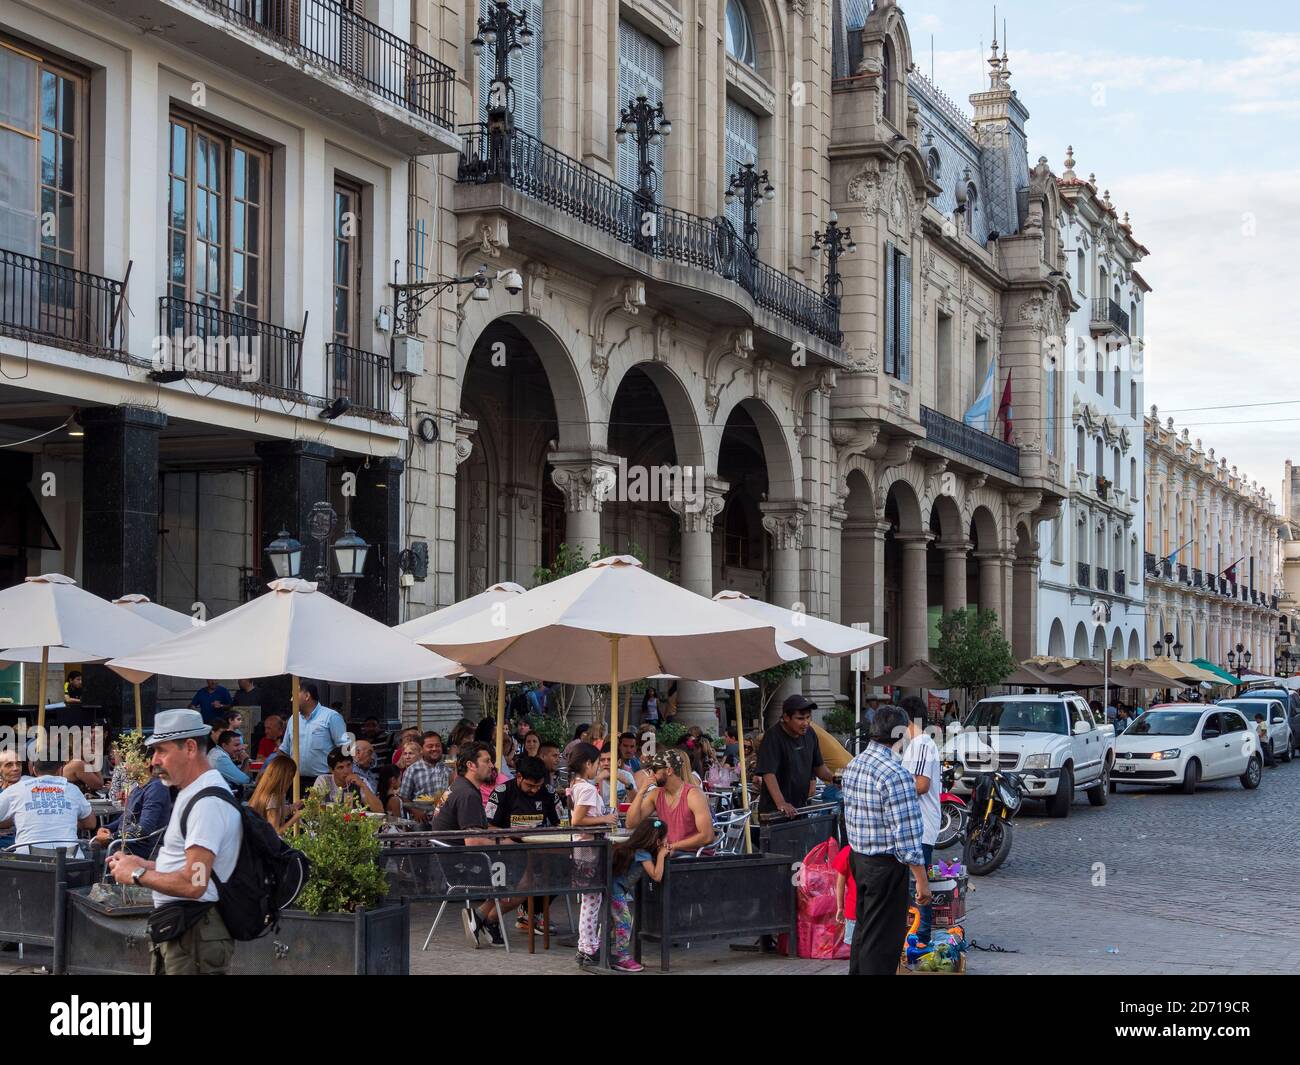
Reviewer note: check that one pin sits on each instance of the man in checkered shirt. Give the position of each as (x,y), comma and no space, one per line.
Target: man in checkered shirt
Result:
(429,775)
(883,818)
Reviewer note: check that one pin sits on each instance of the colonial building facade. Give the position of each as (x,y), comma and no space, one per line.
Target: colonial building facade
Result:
(1220,589)
(1092,580)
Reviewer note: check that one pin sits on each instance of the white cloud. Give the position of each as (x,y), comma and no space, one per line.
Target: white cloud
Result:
(1222,323)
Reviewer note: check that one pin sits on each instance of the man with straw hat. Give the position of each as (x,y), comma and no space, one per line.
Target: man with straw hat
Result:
(191,862)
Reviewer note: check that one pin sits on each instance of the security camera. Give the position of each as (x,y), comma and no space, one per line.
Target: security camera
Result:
(513,282)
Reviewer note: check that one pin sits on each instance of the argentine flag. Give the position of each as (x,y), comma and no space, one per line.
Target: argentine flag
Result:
(981,411)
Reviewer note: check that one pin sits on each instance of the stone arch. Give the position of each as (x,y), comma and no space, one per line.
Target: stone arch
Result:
(782,462)
(1099,644)
(946,519)
(1056,639)
(859,504)
(907,501)
(984,528)
(557,343)
(767,21)
(1080,649)
(688,441)
(1134,645)
(1117,645)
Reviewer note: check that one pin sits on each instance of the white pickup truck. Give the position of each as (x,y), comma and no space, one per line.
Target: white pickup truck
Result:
(1053,743)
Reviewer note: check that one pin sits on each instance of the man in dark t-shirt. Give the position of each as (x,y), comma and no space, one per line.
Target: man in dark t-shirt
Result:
(789,759)
(525,800)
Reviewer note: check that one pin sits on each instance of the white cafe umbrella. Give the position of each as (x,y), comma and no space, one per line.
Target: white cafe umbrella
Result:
(645,625)
(293,629)
(50,619)
(809,634)
(418,628)
(164,617)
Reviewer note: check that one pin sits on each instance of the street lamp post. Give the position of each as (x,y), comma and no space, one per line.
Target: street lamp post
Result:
(349,551)
(837,242)
(646,124)
(752,188)
(505,32)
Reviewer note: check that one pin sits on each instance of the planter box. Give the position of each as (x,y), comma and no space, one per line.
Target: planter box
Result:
(796,836)
(30,902)
(745,895)
(370,943)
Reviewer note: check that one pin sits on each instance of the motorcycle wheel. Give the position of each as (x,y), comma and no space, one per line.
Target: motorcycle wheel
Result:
(952,825)
(987,849)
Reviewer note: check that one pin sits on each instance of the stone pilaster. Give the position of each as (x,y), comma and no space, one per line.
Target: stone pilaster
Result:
(914,598)
(586,480)
(784,522)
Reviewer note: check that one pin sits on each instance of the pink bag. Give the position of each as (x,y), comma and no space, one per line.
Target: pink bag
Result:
(819,935)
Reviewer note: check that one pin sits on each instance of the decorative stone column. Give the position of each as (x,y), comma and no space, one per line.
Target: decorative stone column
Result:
(914,602)
(119,526)
(696,701)
(1024,622)
(784,522)
(863,589)
(990,580)
(586,480)
(954,574)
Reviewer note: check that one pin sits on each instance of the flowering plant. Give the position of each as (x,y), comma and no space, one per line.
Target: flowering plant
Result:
(343,847)
(130,752)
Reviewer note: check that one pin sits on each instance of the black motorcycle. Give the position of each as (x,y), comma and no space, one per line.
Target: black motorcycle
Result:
(995,800)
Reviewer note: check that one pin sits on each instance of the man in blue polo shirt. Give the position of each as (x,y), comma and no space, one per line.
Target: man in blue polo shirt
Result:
(323,729)
(211,700)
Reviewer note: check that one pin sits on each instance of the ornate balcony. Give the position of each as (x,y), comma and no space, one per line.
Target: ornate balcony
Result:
(232,349)
(1150,560)
(1196,578)
(1083,576)
(532,168)
(974,444)
(1103,579)
(361,377)
(1120,586)
(52,304)
(1108,317)
(1183,577)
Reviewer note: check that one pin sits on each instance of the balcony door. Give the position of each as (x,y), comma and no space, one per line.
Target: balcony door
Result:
(525,71)
(640,71)
(741,147)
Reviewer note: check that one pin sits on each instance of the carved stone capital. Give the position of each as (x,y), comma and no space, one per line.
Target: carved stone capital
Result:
(586,482)
(784,522)
(465,429)
(699,514)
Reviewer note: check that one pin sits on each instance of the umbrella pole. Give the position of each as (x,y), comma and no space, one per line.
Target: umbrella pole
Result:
(40,691)
(501,717)
(297,739)
(139,717)
(744,772)
(613,723)
(419,706)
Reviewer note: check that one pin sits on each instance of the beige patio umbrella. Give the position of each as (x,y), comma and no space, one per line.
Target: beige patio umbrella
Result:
(805,632)
(418,628)
(164,617)
(613,616)
(917,674)
(50,619)
(296,630)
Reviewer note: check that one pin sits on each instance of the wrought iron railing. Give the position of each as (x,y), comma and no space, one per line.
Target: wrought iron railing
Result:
(1103,579)
(542,173)
(1196,578)
(1084,576)
(1106,311)
(362,377)
(969,441)
(1119,582)
(1182,574)
(1150,560)
(1167,570)
(330,33)
(230,348)
(1273,602)
(44,301)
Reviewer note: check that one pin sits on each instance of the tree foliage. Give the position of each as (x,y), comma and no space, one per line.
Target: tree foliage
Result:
(343,847)
(973,652)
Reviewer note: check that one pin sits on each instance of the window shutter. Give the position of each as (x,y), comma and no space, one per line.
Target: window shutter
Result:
(741,147)
(525,72)
(891,367)
(640,68)
(904,318)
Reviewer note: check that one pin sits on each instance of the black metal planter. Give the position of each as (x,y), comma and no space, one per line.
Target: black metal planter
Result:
(32,893)
(796,836)
(727,896)
(367,943)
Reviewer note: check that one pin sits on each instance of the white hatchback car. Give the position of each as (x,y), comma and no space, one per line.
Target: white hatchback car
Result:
(1182,745)
(1272,710)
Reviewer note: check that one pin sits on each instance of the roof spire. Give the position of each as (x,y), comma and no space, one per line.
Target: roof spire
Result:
(1005,72)
(1069,164)
(995,68)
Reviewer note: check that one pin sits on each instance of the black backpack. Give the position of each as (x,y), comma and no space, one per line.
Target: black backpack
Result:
(267,877)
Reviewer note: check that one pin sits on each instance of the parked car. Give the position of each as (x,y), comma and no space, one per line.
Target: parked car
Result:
(1185,744)
(1053,743)
(1281,743)
(1289,698)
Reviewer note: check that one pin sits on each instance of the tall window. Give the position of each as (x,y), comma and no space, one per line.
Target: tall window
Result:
(1051,407)
(640,71)
(1133,399)
(740,33)
(1080,450)
(898,314)
(1101,457)
(1117,469)
(943,362)
(982,366)
(741,148)
(42,157)
(347,263)
(1082,268)
(1118,401)
(887,83)
(218,190)
(525,71)
(1133,477)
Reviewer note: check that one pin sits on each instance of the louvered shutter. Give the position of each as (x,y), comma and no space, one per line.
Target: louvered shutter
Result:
(525,71)
(891,367)
(640,69)
(904,318)
(741,148)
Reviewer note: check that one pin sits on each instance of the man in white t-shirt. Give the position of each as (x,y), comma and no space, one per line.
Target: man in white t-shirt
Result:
(186,863)
(922,760)
(44,809)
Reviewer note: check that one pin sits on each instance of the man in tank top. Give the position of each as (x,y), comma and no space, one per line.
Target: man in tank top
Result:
(680,806)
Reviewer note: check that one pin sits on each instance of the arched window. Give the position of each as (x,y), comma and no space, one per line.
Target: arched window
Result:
(1133,477)
(1082,268)
(1080,450)
(936,170)
(740,34)
(887,82)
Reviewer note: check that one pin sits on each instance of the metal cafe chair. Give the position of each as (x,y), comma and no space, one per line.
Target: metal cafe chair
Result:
(505,936)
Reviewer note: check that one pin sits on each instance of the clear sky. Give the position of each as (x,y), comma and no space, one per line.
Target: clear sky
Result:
(1189,113)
